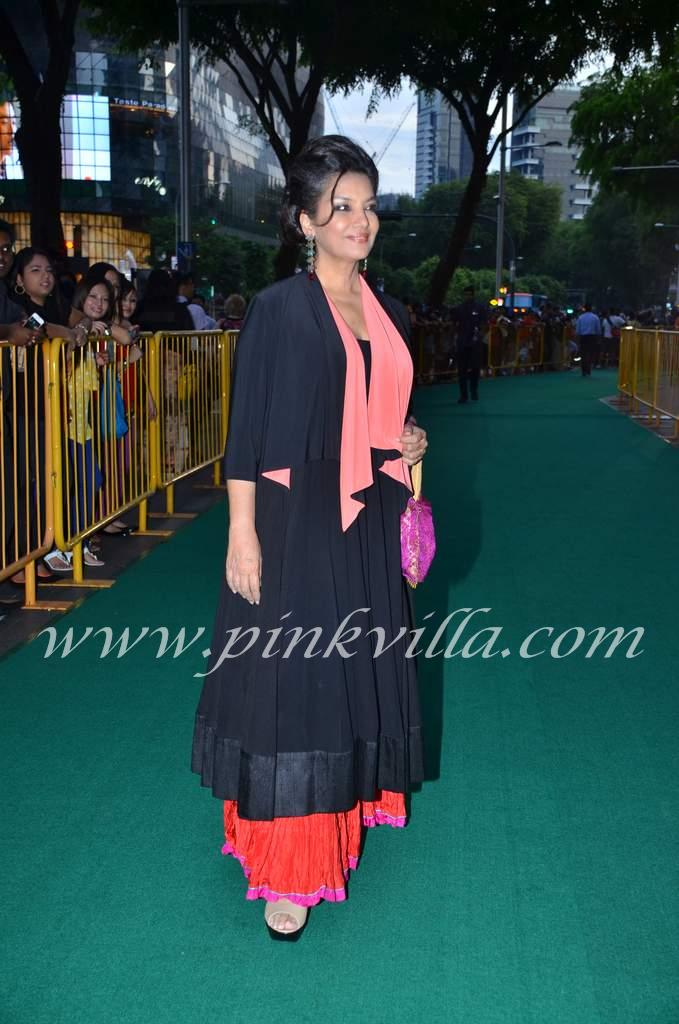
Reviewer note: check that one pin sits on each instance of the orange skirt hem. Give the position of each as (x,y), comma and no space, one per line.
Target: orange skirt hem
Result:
(306,859)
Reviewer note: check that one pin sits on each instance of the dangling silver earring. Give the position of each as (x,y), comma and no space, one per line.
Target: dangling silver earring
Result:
(311,256)
(364,268)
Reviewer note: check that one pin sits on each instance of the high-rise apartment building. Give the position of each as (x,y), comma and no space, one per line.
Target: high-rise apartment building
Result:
(443,150)
(550,121)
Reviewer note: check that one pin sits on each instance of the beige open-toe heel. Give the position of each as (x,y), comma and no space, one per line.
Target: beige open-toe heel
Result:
(281,909)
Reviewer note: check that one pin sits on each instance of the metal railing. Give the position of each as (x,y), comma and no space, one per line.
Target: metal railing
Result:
(648,376)
(88,433)
(193,374)
(26,509)
(507,348)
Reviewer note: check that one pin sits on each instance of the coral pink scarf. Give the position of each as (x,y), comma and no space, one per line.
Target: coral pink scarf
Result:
(377,422)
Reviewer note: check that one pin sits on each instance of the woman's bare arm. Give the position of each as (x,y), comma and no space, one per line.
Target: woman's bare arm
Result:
(244,556)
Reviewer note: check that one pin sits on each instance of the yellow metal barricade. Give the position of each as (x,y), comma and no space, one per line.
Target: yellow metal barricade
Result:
(194,377)
(667,397)
(648,375)
(103,419)
(626,364)
(569,343)
(26,511)
(556,352)
(502,347)
(89,432)
(530,346)
(433,347)
(645,370)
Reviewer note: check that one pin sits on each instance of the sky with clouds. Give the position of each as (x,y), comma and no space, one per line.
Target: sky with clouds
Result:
(397,167)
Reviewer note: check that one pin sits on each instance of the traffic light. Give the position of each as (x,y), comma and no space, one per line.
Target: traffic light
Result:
(213,221)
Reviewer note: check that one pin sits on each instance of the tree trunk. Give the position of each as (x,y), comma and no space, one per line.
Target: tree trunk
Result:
(287,257)
(39,143)
(464,222)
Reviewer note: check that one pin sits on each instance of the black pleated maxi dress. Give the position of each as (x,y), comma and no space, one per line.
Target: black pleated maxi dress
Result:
(301,728)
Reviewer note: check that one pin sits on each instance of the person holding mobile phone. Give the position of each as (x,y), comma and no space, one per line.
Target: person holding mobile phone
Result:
(35,290)
(13,360)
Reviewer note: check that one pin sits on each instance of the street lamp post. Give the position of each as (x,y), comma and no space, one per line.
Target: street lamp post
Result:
(661,224)
(184,132)
(499,239)
(501,193)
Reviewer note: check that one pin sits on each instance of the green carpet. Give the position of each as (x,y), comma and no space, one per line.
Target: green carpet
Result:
(536,882)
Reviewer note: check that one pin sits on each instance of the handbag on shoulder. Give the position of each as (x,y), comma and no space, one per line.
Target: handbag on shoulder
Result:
(418,541)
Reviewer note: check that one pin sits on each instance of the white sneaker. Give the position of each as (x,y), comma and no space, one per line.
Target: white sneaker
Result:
(89,558)
(59,561)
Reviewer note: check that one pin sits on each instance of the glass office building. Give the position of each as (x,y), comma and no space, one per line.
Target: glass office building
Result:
(120,153)
(443,152)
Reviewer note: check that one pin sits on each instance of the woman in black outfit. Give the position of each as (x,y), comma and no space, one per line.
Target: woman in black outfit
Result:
(36,291)
(159,309)
(307,748)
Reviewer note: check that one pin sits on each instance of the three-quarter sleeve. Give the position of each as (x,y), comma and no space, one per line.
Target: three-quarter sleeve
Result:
(249,396)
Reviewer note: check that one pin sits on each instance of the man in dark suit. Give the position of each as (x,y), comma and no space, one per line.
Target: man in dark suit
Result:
(470,318)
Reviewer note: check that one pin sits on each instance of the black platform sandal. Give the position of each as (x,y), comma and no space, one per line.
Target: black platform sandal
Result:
(298,914)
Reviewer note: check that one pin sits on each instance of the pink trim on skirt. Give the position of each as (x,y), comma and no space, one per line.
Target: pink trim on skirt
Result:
(305,859)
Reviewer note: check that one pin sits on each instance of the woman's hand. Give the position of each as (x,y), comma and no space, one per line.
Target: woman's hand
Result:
(151,406)
(21,336)
(77,336)
(244,563)
(414,443)
(135,354)
(81,331)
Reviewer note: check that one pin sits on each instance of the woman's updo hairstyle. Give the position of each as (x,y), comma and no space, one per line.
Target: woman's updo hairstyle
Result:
(321,159)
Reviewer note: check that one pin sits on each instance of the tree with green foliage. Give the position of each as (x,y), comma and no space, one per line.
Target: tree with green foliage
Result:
(25,35)
(629,119)
(224,262)
(479,55)
(616,256)
(278,52)
(531,216)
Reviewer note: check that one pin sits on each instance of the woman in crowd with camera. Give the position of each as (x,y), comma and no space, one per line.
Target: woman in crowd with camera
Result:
(36,291)
(122,332)
(97,301)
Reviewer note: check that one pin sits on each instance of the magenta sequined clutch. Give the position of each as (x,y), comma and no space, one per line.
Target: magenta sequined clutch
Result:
(418,542)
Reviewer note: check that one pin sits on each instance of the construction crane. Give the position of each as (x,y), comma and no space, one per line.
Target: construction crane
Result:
(378,156)
(331,108)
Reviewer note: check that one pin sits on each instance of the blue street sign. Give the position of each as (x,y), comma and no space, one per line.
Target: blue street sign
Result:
(186,250)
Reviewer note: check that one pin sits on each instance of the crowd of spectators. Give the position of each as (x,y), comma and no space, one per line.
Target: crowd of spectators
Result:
(37,302)
(102,381)
(437,333)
